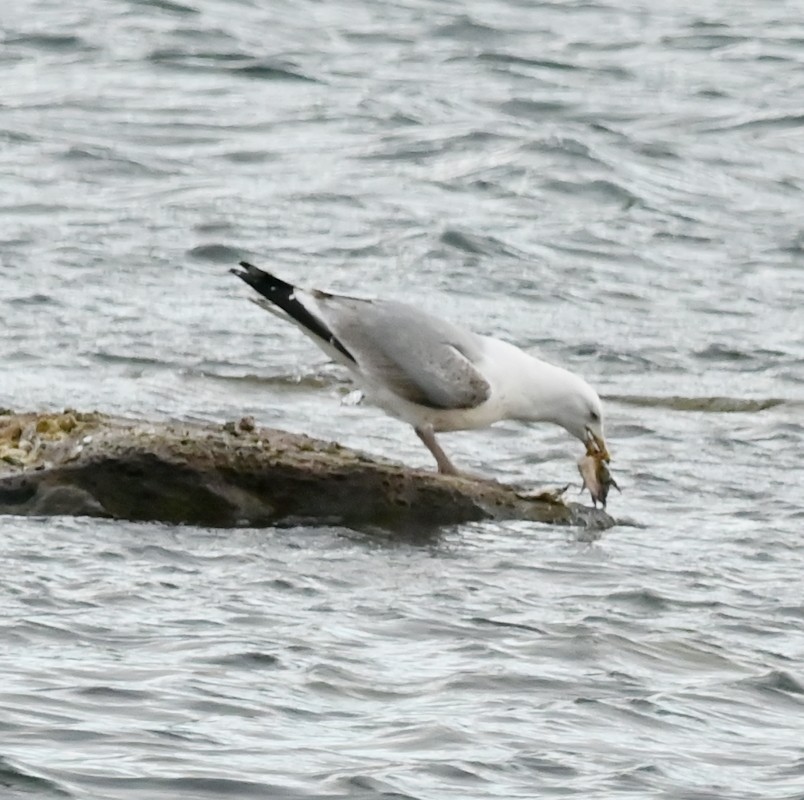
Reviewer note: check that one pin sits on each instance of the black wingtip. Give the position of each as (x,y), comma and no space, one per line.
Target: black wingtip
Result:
(267,284)
(283,294)
(248,271)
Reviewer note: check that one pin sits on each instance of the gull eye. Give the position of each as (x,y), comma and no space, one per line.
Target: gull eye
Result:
(595,416)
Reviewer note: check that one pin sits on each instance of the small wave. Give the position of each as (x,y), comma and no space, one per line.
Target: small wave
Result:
(249,156)
(795,244)
(24,209)
(167,5)
(722,352)
(15,779)
(366,786)
(465,28)
(532,109)
(400,147)
(36,299)
(172,56)
(502,624)
(633,360)
(114,694)
(703,41)
(16,137)
(274,72)
(642,598)
(777,681)
(248,660)
(51,41)
(104,158)
(108,357)
(231,62)
(715,405)
(304,382)
(781,121)
(792,611)
(217,253)
(544,765)
(597,190)
(476,244)
(510,58)
(212,787)
(502,58)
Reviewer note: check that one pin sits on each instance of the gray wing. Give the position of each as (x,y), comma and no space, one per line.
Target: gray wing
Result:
(419,357)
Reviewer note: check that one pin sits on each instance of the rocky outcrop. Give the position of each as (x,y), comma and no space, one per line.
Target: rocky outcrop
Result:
(239,475)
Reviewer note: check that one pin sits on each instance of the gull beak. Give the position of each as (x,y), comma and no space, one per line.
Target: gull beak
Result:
(596,446)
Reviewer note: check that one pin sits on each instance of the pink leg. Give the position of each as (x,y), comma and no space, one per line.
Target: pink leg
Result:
(427,435)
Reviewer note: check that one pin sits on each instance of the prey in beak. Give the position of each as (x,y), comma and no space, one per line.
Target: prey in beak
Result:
(594,469)
(596,446)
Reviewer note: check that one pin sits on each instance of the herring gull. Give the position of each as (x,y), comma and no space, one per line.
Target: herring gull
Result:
(433,374)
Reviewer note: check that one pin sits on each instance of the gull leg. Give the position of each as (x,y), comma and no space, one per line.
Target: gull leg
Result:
(427,435)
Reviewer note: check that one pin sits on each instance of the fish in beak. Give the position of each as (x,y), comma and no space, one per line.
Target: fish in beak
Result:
(596,446)
(596,478)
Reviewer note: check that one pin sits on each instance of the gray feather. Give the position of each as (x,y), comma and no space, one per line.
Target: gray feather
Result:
(419,357)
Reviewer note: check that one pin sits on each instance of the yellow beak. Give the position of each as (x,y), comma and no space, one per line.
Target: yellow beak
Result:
(596,446)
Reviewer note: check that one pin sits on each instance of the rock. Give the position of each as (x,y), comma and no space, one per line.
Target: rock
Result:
(239,475)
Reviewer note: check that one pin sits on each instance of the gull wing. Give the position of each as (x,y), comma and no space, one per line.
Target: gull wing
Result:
(419,357)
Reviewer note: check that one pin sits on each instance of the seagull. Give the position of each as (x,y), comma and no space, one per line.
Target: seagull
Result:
(430,373)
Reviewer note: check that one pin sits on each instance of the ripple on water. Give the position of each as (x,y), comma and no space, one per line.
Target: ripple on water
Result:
(777,683)
(54,43)
(18,782)
(616,188)
(216,253)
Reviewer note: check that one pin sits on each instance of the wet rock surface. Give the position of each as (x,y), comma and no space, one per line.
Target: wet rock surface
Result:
(238,474)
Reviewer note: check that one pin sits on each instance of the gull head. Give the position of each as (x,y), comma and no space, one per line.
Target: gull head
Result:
(581,414)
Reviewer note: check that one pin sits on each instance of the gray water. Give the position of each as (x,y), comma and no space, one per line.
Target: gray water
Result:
(617,185)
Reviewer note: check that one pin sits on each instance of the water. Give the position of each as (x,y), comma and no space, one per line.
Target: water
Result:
(615,185)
